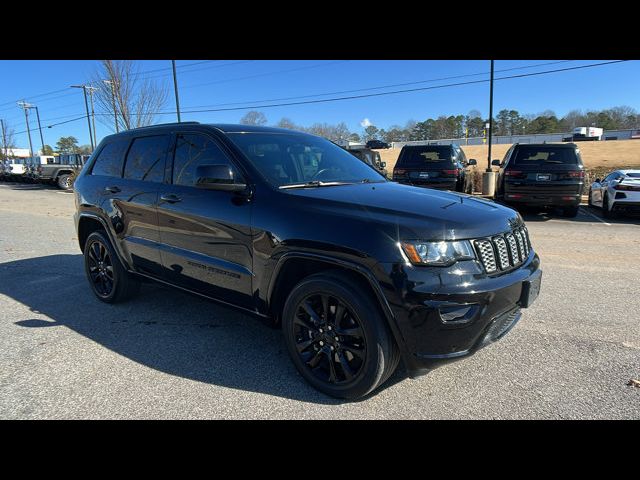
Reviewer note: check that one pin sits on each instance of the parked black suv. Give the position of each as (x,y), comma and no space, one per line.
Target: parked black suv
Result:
(377,144)
(542,175)
(434,166)
(358,271)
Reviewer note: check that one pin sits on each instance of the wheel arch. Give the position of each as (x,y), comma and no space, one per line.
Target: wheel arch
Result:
(293,267)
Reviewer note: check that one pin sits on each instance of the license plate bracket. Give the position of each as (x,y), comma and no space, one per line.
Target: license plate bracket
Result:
(531,290)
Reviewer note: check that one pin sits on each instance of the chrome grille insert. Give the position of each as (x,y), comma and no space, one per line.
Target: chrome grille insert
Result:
(485,249)
(504,252)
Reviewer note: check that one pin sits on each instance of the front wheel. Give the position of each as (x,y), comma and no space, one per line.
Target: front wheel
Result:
(337,338)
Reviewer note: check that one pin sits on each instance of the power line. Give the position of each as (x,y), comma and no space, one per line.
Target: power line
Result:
(367,95)
(382,86)
(265,74)
(353,97)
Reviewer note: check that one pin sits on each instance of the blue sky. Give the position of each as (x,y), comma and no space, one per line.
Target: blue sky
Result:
(227,81)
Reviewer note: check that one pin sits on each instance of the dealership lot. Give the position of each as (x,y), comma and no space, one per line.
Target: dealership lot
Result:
(167,354)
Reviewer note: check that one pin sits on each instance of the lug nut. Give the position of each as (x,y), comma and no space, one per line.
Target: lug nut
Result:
(332,349)
(320,330)
(321,343)
(329,327)
(336,339)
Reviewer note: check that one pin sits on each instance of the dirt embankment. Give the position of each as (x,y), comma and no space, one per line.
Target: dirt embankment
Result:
(596,156)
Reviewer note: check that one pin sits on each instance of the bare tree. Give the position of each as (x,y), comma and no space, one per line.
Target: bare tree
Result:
(137,99)
(287,123)
(8,140)
(254,118)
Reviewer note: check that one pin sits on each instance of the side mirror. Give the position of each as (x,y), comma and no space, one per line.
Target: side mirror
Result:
(383,164)
(217,177)
(472,161)
(598,180)
(495,162)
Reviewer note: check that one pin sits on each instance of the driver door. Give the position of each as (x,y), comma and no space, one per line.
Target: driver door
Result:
(205,234)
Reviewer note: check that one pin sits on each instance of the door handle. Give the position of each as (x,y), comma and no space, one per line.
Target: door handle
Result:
(170,198)
(112,189)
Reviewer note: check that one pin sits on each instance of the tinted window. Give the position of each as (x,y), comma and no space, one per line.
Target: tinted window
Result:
(543,155)
(110,158)
(428,156)
(145,160)
(193,150)
(286,159)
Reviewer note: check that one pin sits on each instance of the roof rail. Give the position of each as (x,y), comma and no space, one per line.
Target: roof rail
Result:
(166,124)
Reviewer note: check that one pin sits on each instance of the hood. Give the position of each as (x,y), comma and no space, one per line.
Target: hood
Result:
(410,212)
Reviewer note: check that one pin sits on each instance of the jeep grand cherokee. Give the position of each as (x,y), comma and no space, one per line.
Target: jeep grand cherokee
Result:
(359,272)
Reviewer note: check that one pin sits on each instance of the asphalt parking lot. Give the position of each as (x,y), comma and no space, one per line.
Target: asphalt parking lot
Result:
(167,354)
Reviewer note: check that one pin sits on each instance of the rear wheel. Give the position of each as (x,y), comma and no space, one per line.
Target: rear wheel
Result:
(337,338)
(570,212)
(606,211)
(109,280)
(64,182)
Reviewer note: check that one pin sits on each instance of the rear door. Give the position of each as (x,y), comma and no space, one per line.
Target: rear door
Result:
(205,234)
(544,171)
(129,195)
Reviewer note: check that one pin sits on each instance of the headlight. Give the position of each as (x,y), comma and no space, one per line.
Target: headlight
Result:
(440,254)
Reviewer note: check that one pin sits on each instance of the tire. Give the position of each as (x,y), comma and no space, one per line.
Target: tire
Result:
(377,354)
(570,212)
(119,285)
(606,213)
(64,182)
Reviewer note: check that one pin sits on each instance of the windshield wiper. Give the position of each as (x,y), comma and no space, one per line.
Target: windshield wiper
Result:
(315,184)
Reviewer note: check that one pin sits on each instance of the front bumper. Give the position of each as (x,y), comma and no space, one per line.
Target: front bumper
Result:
(445,314)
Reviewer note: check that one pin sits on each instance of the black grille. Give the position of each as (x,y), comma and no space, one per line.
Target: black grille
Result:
(504,252)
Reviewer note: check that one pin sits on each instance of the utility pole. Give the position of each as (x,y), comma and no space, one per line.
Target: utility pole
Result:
(113,100)
(175,87)
(25,106)
(86,106)
(93,116)
(488,178)
(39,128)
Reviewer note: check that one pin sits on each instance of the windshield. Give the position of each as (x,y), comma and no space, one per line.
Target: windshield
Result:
(530,155)
(436,157)
(291,159)
(634,175)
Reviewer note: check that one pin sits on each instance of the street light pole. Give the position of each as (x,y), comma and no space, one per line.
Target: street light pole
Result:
(25,106)
(86,106)
(175,87)
(490,118)
(113,100)
(4,139)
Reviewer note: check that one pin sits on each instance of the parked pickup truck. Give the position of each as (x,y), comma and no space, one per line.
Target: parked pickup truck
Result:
(58,170)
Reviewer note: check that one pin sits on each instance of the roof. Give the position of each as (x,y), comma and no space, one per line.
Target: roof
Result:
(627,172)
(549,144)
(235,128)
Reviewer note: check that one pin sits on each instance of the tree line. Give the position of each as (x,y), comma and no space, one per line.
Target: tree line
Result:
(506,122)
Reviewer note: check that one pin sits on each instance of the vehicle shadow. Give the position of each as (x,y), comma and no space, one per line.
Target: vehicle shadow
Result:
(164,329)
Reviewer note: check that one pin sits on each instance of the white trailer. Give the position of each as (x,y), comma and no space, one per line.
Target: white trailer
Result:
(587,133)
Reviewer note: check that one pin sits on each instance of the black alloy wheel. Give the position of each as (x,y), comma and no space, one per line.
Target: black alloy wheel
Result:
(337,336)
(329,338)
(109,280)
(100,268)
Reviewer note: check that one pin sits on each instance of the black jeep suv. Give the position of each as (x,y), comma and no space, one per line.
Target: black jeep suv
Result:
(359,272)
(434,166)
(542,175)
